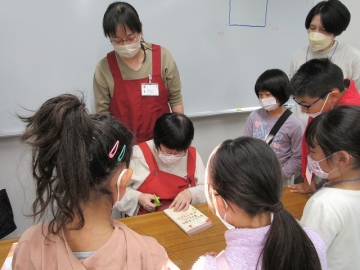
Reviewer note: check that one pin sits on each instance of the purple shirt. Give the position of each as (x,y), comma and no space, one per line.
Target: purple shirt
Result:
(286,143)
(243,248)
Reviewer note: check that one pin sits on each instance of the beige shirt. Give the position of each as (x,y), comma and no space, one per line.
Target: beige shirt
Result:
(104,83)
(125,249)
(130,202)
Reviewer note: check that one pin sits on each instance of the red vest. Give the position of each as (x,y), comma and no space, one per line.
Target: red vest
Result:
(135,111)
(165,185)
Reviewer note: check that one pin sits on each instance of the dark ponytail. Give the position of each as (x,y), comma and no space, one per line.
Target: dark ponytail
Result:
(246,172)
(65,146)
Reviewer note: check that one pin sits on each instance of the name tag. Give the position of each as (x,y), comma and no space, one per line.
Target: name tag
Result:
(149,89)
(308,175)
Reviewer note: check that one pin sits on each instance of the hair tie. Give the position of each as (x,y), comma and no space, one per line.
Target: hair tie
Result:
(277,207)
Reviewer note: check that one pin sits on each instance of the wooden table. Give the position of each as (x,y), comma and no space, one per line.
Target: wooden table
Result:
(183,249)
(294,202)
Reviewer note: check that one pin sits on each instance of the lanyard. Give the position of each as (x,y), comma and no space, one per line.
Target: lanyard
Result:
(340,182)
(307,52)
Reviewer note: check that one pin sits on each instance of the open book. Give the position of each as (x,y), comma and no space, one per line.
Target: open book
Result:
(190,221)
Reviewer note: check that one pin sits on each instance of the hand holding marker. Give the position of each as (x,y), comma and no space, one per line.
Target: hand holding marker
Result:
(157,200)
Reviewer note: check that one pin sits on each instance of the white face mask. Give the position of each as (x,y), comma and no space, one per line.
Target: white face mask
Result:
(313,115)
(118,204)
(169,159)
(128,50)
(319,41)
(269,104)
(314,167)
(227,225)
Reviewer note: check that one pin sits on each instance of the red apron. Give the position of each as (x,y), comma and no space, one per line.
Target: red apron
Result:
(135,111)
(165,185)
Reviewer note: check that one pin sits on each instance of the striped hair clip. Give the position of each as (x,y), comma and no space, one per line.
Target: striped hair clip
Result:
(114,150)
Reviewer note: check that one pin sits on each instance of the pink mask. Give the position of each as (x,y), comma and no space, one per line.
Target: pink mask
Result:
(314,167)
(169,159)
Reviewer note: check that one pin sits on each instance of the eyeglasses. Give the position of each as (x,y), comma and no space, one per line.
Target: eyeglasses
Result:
(176,155)
(307,107)
(170,152)
(129,40)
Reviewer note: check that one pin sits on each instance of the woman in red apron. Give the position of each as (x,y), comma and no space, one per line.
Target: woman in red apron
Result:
(137,81)
(167,167)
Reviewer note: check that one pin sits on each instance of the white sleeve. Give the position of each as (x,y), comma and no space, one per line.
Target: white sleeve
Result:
(355,69)
(322,219)
(130,202)
(198,192)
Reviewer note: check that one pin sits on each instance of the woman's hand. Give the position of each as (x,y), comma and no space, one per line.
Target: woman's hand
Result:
(181,201)
(145,200)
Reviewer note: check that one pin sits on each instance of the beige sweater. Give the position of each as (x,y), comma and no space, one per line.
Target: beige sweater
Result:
(104,83)
(125,249)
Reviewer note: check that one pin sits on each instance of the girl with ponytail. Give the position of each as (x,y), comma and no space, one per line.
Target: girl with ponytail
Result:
(244,186)
(79,164)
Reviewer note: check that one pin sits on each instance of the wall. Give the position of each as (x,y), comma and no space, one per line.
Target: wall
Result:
(50,47)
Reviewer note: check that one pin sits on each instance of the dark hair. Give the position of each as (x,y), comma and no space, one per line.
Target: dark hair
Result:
(70,157)
(335,17)
(275,81)
(120,13)
(315,78)
(246,172)
(336,130)
(174,130)
(124,14)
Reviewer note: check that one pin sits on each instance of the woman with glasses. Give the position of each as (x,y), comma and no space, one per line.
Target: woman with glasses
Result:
(137,82)
(166,167)
(317,87)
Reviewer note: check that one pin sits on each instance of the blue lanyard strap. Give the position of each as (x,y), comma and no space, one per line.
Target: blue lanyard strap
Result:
(328,184)
(307,52)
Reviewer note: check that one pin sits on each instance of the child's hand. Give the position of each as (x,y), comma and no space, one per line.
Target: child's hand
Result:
(146,201)
(181,201)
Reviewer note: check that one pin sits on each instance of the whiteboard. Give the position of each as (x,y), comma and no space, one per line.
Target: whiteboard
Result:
(221,47)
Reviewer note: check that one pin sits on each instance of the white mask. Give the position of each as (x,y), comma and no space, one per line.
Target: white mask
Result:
(319,41)
(128,50)
(269,104)
(227,225)
(313,115)
(118,203)
(169,159)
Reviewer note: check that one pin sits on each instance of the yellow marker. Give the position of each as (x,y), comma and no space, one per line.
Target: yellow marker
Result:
(239,110)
